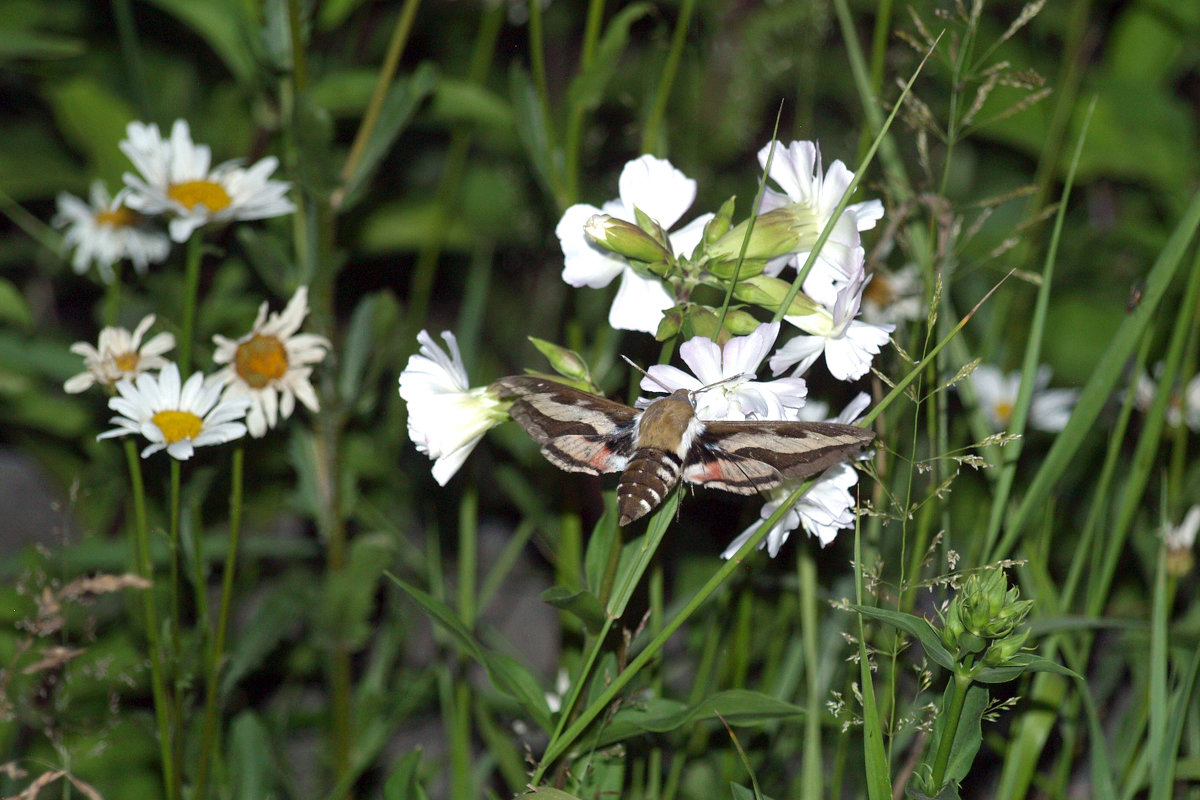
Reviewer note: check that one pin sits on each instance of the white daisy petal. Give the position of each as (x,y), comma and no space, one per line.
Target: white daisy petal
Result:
(118,356)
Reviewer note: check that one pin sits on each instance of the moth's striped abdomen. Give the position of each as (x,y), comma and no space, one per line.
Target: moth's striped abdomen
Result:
(647,478)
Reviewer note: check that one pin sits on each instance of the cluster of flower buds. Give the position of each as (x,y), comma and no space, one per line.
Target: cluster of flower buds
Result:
(980,625)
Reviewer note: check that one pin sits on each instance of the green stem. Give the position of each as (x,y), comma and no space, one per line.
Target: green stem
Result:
(216,652)
(191,290)
(131,54)
(176,624)
(145,569)
(574,129)
(651,136)
(387,74)
(962,682)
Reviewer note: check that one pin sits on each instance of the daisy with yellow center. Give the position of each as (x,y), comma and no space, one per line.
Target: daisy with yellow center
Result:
(177,178)
(176,418)
(271,364)
(997,393)
(105,231)
(119,355)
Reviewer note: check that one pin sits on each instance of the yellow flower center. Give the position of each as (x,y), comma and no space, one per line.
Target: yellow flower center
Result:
(193,193)
(260,360)
(880,290)
(1004,411)
(177,425)
(127,362)
(119,217)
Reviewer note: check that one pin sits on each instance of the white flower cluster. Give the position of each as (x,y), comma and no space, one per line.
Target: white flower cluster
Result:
(447,417)
(175,180)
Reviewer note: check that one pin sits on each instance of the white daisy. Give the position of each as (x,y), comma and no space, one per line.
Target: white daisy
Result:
(997,393)
(119,355)
(271,364)
(107,231)
(728,373)
(446,418)
(177,179)
(661,192)
(811,198)
(826,508)
(1183,407)
(177,419)
(894,297)
(848,344)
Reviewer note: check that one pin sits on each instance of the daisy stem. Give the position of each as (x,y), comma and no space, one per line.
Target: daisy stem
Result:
(173,541)
(191,288)
(216,652)
(145,569)
(112,297)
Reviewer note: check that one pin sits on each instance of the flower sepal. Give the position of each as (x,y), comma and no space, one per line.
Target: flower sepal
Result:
(726,270)
(769,293)
(566,362)
(774,235)
(719,225)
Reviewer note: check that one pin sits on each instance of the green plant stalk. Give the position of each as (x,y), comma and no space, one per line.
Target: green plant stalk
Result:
(573,136)
(176,621)
(962,683)
(875,757)
(295,9)
(811,766)
(651,135)
(191,290)
(425,270)
(131,54)
(112,297)
(216,651)
(468,549)
(383,82)
(560,742)
(1033,349)
(145,569)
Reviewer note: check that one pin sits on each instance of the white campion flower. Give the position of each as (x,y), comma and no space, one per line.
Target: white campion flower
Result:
(272,364)
(177,178)
(997,393)
(728,372)
(173,417)
(119,355)
(661,192)
(894,297)
(848,344)
(446,418)
(812,197)
(106,231)
(826,508)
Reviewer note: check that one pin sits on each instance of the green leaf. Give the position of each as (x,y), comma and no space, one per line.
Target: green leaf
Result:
(967,737)
(92,117)
(547,794)
(600,543)
(13,308)
(916,626)
(587,89)
(250,759)
(403,783)
(735,706)
(583,604)
(509,677)
(286,603)
(223,25)
(534,130)
(636,555)
(32,45)
(1020,664)
(395,113)
(349,594)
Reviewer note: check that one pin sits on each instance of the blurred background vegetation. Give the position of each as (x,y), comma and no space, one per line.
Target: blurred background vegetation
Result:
(446,221)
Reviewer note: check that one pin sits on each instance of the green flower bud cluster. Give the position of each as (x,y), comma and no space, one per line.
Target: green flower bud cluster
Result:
(980,626)
(726,254)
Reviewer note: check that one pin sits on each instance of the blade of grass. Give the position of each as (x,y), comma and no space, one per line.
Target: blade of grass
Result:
(1033,349)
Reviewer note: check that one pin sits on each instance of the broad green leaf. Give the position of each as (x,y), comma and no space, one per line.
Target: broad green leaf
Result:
(13,308)
(534,130)
(93,117)
(588,87)
(1022,663)
(967,737)
(222,24)
(33,45)
(349,594)
(397,110)
(583,604)
(916,626)
(600,543)
(735,706)
(506,674)
(287,602)
(250,758)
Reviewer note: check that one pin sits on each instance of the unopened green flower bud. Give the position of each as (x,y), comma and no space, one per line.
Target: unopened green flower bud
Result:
(768,292)
(719,225)
(773,236)
(670,324)
(1002,650)
(987,606)
(624,239)
(741,323)
(566,362)
(952,628)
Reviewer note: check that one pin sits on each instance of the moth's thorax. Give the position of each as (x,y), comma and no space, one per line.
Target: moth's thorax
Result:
(669,423)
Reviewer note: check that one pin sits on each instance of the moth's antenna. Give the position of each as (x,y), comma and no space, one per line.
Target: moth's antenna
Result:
(661,385)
